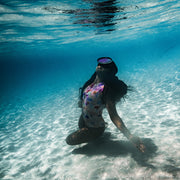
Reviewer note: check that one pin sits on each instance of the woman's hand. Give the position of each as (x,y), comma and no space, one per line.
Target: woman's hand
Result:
(121,126)
(138,143)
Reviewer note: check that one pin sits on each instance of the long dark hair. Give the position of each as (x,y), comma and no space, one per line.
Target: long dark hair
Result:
(86,84)
(115,89)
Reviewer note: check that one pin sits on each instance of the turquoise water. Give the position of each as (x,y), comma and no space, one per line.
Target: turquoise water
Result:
(48,49)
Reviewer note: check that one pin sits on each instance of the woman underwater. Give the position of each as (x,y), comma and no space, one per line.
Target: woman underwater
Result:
(102,90)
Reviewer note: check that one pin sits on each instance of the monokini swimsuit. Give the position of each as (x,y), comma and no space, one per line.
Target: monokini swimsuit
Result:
(93,106)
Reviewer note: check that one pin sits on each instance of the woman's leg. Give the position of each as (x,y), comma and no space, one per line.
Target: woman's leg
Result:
(84,135)
(81,122)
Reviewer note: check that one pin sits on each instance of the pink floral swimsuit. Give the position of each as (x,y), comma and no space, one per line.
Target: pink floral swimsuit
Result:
(93,106)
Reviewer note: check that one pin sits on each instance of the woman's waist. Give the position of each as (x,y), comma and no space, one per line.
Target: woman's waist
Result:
(92,114)
(93,121)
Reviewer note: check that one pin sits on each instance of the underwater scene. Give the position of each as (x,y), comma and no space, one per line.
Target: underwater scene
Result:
(49,49)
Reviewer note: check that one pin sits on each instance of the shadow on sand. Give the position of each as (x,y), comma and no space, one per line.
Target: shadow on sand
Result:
(109,147)
(105,145)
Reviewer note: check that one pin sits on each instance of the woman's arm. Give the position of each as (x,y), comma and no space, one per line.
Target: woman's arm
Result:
(117,120)
(121,126)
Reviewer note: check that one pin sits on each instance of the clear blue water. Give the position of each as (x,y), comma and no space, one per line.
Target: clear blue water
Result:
(49,48)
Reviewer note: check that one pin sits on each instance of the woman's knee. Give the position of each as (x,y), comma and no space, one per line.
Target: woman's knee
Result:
(84,135)
(69,140)
(76,137)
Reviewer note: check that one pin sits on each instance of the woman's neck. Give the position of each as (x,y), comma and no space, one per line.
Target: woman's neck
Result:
(97,80)
(104,78)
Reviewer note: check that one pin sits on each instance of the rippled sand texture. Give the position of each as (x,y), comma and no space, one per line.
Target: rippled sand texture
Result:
(34,127)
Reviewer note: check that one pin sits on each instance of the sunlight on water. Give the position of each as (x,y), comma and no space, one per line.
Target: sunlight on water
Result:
(49,48)
(66,22)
